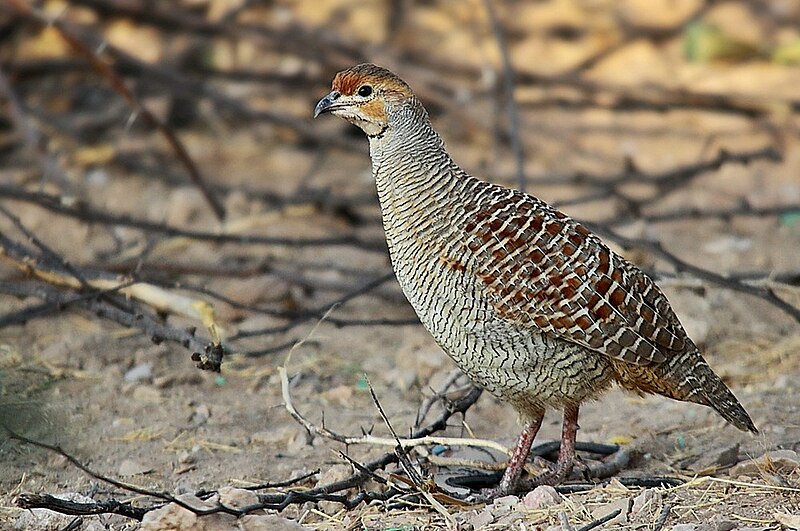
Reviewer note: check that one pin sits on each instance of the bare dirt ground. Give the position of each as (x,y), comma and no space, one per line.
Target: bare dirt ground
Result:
(141,412)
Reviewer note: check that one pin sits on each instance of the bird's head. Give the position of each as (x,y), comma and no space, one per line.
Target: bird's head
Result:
(365,95)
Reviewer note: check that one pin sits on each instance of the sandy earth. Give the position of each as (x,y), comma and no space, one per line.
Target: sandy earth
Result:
(141,412)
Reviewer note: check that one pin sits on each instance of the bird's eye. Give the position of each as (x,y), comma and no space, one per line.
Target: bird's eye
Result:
(364,91)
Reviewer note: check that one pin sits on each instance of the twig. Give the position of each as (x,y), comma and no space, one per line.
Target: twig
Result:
(119,86)
(426,405)
(47,252)
(53,269)
(269,484)
(600,521)
(86,213)
(424,440)
(30,135)
(405,462)
(164,496)
(74,525)
(319,311)
(662,517)
(156,330)
(28,500)
(277,501)
(563,519)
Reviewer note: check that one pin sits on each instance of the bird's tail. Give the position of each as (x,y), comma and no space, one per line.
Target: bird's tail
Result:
(685,376)
(714,393)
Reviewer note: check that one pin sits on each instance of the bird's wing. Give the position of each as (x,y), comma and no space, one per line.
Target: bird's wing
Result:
(545,270)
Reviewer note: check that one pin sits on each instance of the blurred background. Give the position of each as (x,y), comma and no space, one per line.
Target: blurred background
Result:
(170,145)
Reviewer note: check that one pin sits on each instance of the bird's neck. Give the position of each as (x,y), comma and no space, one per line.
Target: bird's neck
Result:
(410,163)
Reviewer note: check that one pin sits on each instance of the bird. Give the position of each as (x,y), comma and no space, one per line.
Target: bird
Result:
(529,303)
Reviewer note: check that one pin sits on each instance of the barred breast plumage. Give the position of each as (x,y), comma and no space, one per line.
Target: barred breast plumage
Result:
(528,302)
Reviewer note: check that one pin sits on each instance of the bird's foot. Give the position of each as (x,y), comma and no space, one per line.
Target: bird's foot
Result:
(547,467)
(553,475)
(487,496)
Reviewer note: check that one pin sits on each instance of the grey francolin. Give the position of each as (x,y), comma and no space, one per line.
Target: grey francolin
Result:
(528,303)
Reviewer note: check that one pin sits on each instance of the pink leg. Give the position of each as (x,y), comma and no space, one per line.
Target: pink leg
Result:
(566,454)
(517,462)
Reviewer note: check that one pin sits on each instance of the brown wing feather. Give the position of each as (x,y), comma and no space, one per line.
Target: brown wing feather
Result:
(543,269)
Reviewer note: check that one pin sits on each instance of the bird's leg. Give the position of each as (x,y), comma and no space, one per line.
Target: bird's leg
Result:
(516,464)
(566,454)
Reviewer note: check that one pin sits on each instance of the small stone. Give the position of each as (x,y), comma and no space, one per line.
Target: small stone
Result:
(173,517)
(784,460)
(237,498)
(729,456)
(684,527)
(505,502)
(185,205)
(509,520)
(481,519)
(541,497)
(646,499)
(200,415)
(186,457)
(726,525)
(728,244)
(620,504)
(129,467)
(792,521)
(270,522)
(139,373)
(779,461)
(332,475)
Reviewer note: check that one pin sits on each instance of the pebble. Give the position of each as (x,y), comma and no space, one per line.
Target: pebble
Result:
(505,503)
(139,373)
(129,467)
(185,205)
(780,461)
(541,497)
(237,498)
(610,507)
(268,522)
(200,415)
(332,475)
(646,499)
(791,521)
(684,527)
(173,517)
(481,519)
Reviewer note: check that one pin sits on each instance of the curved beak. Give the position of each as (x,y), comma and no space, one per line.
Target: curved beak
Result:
(326,104)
